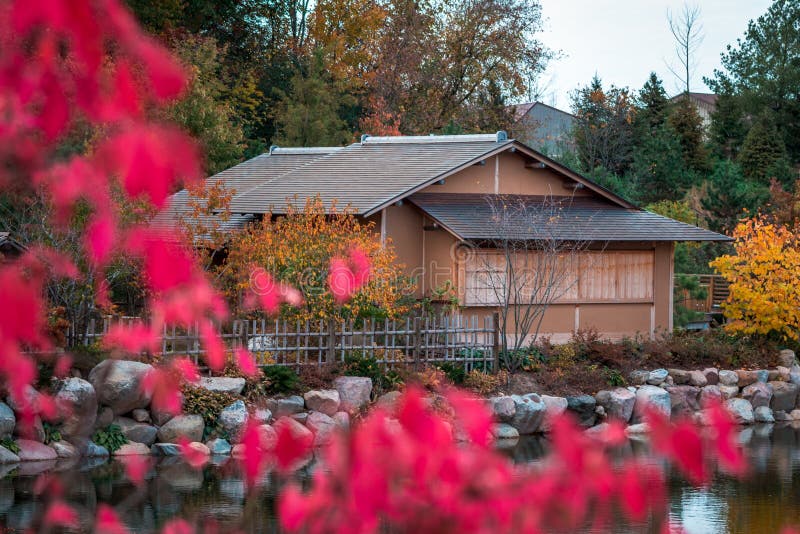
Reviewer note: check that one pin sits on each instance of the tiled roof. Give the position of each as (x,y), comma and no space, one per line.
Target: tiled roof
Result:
(470,217)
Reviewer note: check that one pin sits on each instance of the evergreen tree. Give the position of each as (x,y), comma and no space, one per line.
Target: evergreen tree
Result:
(658,169)
(727,129)
(653,104)
(688,125)
(729,196)
(763,154)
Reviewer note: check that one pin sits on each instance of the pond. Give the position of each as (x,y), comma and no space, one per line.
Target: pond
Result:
(764,501)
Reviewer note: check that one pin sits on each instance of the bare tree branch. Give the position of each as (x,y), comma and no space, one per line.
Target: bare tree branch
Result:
(688,33)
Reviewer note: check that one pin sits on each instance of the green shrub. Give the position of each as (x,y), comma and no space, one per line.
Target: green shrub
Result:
(208,405)
(110,437)
(51,433)
(454,372)
(358,364)
(10,444)
(282,379)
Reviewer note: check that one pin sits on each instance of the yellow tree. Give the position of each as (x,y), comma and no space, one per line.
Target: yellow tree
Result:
(764,277)
(297,249)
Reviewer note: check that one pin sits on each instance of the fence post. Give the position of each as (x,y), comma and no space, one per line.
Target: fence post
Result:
(417,342)
(496,340)
(331,341)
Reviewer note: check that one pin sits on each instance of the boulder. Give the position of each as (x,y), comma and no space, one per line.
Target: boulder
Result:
(268,436)
(741,410)
(679,376)
(554,406)
(710,393)
(773,375)
(651,396)
(728,378)
(7,457)
(93,450)
(617,403)
(297,430)
(762,414)
(202,448)
(780,415)
(7,421)
(324,401)
(354,391)
(697,379)
(786,358)
(322,426)
(262,416)
(300,417)
(132,449)
(219,446)
(504,431)
(758,394)
(186,426)
(503,408)
(794,374)
(729,392)
(104,417)
(65,449)
(784,396)
(657,377)
(118,384)
(342,419)
(684,400)
(529,411)
(637,429)
(222,384)
(33,431)
(388,401)
(137,432)
(77,401)
(746,377)
(232,419)
(165,449)
(33,451)
(795,415)
(140,415)
(286,406)
(638,377)
(784,373)
(712,375)
(582,407)
(160,418)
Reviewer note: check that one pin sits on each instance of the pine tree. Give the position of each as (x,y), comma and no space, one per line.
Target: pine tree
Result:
(730,196)
(688,125)
(653,105)
(763,155)
(727,129)
(658,169)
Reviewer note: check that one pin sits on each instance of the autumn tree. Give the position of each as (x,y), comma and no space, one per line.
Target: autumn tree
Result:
(764,278)
(297,249)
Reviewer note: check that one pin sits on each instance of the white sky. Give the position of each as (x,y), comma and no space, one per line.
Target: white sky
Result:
(624,40)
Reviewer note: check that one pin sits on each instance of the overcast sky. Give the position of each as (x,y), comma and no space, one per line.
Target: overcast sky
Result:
(624,40)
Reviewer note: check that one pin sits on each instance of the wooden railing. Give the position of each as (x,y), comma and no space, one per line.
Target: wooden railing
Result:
(717,292)
(471,341)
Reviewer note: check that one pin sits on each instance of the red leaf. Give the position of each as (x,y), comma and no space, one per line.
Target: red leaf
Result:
(60,514)
(167,78)
(100,239)
(107,521)
(245,362)
(193,455)
(473,414)
(136,467)
(292,508)
(291,445)
(177,526)
(215,350)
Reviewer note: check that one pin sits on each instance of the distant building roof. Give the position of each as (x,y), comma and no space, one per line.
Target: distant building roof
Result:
(9,245)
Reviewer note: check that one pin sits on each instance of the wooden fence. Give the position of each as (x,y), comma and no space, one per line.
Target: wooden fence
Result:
(717,291)
(471,341)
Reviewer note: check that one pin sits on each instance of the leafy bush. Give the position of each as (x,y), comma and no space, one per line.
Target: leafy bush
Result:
(110,437)
(454,372)
(356,364)
(485,383)
(208,404)
(10,444)
(282,379)
(51,433)
(318,377)
(256,386)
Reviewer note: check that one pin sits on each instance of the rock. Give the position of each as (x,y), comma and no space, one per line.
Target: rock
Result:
(657,377)
(668,382)
(342,419)
(697,379)
(219,446)
(529,413)
(223,384)
(794,374)
(7,421)
(795,415)
(8,457)
(354,392)
(117,384)
(504,431)
(600,412)
(617,403)
(65,449)
(784,373)
(137,432)
(34,431)
(77,400)
(238,450)
(165,449)
(286,406)
(33,451)
(638,377)
(104,417)
(202,448)
(786,358)
(131,449)
(780,415)
(710,393)
(298,431)
(762,414)
(554,406)
(746,377)
(160,418)
(93,450)
(597,429)
(741,410)
(728,378)
(141,415)
(233,419)
(784,396)
(31,397)
(773,375)
(712,375)
(729,392)
(388,401)
(582,407)
(187,426)
(758,394)
(324,401)
(322,426)
(267,436)
(684,400)
(637,429)
(679,376)
(651,396)
(262,416)
(503,408)
(300,417)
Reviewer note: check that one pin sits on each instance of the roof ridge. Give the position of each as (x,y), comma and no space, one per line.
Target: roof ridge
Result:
(497,137)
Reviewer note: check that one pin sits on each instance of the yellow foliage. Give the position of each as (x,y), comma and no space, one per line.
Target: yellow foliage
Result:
(764,277)
(297,249)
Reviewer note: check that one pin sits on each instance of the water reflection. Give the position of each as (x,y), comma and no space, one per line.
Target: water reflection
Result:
(764,501)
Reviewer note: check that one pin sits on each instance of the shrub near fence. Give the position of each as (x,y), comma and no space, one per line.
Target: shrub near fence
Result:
(471,341)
